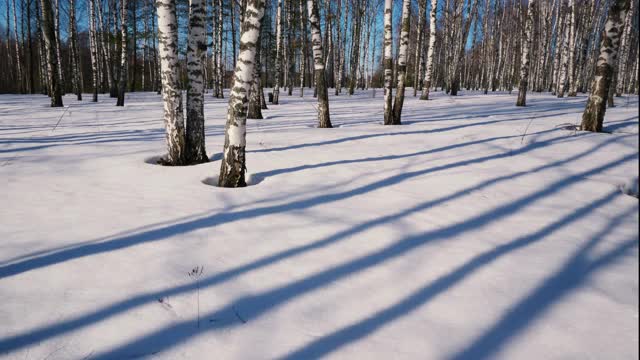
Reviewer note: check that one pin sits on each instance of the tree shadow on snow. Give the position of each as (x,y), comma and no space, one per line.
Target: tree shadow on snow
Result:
(259,304)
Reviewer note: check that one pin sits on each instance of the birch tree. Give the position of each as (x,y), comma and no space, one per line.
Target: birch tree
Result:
(430,54)
(232,169)
(93,48)
(416,73)
(256,95)
(303,46)
(122,85)
(57,45)
(571,69)
(593,115)
(355,48)
(526,57)
(220,68)
(49,35)
(279,49)
(194,151)
(171,97)
(75,51)
(324,120)
(564,52)
(18,60)
(402,62)
(388,62)
(625,47)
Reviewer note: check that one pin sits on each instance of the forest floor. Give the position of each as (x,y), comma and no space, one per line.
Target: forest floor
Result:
(475,230)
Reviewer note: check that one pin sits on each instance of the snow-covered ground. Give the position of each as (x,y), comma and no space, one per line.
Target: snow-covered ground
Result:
(475,230)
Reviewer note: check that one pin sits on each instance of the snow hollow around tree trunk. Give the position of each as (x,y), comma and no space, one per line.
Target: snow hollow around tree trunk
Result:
(250,179)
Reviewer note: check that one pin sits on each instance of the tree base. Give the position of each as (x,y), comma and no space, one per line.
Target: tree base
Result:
(232,169)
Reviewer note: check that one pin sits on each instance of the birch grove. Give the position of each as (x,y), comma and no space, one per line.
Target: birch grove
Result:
(455,45)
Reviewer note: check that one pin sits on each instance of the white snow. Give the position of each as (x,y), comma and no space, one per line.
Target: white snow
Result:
(475,230)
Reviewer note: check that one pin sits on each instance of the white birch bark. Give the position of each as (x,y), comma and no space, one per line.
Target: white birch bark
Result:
(388,62)
(122,85)
(624,48)
(416,73)
(571,69)
(232,169)
(220,66)
(18,60)
(279,49)
(75,54)
(92,48)
(303,46)
(171,96)
(355,48)
(324,120)
(49,35)
(526,57)
(402,61)
(593,115)
(564,53)
(431,52)
(195,152)
(57,43)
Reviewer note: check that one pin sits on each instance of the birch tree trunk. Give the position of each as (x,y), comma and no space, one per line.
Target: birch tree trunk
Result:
(318,64)
(343,55)
(461,45)
(194,151)
(10,59)
(571,70)
(625,46)
(290,58)
(49,34)
(57,44)
(232,169)
(42,51)
(168,54)
(106,49)
(355,48)
(93,48)
(256,95)
(220,66)
(416,73)
(75,53)
(564,52)
(593,115)
(279,48)
(18,60)
(402,62)
(431,52)
(232,7)
(255,99)
(303,46)
(388,62)
(526,57)
(122,85)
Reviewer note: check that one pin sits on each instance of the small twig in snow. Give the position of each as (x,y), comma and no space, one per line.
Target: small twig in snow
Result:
(60,118)
(235,311)
(525,131)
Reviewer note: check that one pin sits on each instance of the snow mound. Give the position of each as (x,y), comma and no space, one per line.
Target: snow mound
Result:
(631,187)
